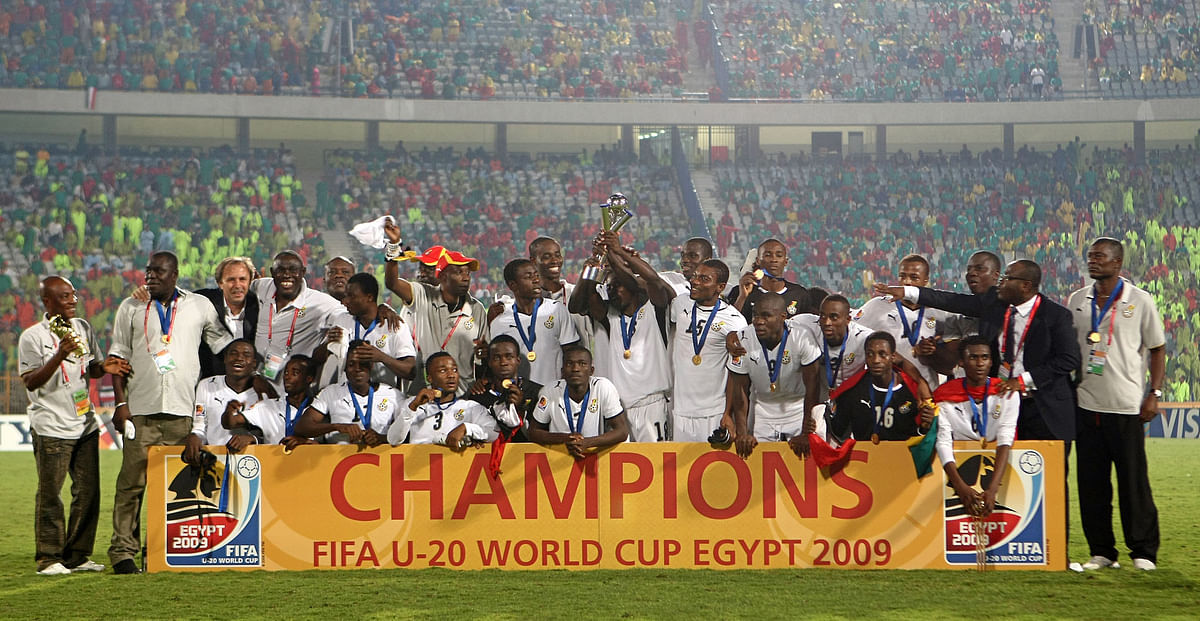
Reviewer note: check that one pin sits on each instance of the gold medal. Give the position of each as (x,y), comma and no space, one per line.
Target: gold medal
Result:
(696,360)
(774,387)
(758,274)
(531,356)
(506,384)
(167,339)
(628,354)
(1093,337)
(437,394)
(875,438)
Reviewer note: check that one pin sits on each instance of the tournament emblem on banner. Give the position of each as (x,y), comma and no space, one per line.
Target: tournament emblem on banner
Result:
(1015,532)
(213,511)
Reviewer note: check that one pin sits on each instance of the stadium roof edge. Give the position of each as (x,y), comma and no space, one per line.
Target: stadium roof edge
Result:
(44,101)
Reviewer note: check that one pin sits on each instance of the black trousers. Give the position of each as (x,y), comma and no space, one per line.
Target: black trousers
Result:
(1106,440)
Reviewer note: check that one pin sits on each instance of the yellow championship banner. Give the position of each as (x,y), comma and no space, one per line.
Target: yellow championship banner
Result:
(637,505)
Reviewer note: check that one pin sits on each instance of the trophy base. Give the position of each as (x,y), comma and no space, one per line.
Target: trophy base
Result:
(592,272)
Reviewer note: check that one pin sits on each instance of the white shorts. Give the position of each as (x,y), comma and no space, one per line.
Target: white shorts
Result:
(648,419)
(689,429)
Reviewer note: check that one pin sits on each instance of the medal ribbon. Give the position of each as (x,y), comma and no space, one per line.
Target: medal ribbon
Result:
(832,371)
(576,426)
(527,339)
(289,421)
(291,330)
(912,333)
(628,330)
(773,372)
(165,324)
(374,322)
(364,418)
(698,341)
(979,414)
(1112,299)
(451,333)
(1037,302)
(887,400)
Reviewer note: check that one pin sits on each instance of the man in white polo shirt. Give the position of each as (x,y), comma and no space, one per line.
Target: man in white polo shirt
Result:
(1119,328)
(291,316)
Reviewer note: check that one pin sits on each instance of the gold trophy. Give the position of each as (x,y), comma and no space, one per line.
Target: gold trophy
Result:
(614,215)
(61,327)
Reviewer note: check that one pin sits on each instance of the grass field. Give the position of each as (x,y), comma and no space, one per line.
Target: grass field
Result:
(1170,592)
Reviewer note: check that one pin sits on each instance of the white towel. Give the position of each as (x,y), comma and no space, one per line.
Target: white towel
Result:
(371,233)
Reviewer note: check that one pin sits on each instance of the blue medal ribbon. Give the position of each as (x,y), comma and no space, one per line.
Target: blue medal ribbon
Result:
(698,340)
(978,414)
(912,333)
(831,371)
(576,426)
(1112,298)
(773,371)
(374,322)
(628,330)
(289,421)
(887,400)
(364,418)
(527,339)
(165,319)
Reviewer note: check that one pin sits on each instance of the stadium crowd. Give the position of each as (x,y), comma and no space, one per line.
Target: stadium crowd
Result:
(1146,49)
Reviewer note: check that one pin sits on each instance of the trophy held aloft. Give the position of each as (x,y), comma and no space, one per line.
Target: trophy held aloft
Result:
(614,214)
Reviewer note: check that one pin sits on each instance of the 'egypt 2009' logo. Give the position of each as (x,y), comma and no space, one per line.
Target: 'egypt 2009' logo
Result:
(213,511)
(1015,531)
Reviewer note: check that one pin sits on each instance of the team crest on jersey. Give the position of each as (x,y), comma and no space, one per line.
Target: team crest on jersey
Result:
(906,408)
(1014,534)
(791,309)
(382,339)
(458,415)
(931,323)
(1128,312)
(300,313)
(549,323)
(718,326)
(996,411)
(787,357)
(213,511)
(383,405)
(470,323)
(850,358)
(594,406)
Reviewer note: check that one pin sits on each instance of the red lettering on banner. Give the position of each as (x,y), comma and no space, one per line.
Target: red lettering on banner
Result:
(670,487)
(320,550)
(775,467)
(396,554)
(530,558)
(724,553)
(699,548)
(618,486)
(537,468)
(865,497)
(771,549)
(401,484)
(696,487)
(337,488)
(498,496)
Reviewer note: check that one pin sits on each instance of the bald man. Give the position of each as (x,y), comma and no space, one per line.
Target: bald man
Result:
(65,434)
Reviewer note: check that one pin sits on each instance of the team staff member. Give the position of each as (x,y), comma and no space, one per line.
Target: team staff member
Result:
(580,410)
(1036,341)
(880,403)
(236,307)
(701,321)
(971,408)
(541,326)
(338,271)
(448,318)
(65,435)
(780,371)
(219,395)
(160,339)
(389,349)
(292,317)
(1117,324)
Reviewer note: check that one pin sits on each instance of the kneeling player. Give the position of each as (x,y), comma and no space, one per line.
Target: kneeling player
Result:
(437,416)
(971,409)
(580,411)
(273,421)
(220,396)
(880,402)
(359,411)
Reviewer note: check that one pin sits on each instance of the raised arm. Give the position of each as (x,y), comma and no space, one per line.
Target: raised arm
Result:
(391,270)
(659,292)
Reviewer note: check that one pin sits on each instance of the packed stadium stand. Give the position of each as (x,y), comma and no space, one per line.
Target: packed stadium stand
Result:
(96,218)
(849,221)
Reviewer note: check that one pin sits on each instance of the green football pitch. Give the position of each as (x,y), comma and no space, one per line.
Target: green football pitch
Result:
(1170,592)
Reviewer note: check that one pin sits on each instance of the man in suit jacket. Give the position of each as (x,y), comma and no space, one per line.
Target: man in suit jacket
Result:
(1035,338)
(236,306)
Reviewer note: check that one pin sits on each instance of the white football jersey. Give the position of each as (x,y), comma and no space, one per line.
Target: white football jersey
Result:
(787,400)
(647,370)
(699,389)
(881,314)
(602,403)
(552,329)
(212,395)
(338,402)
